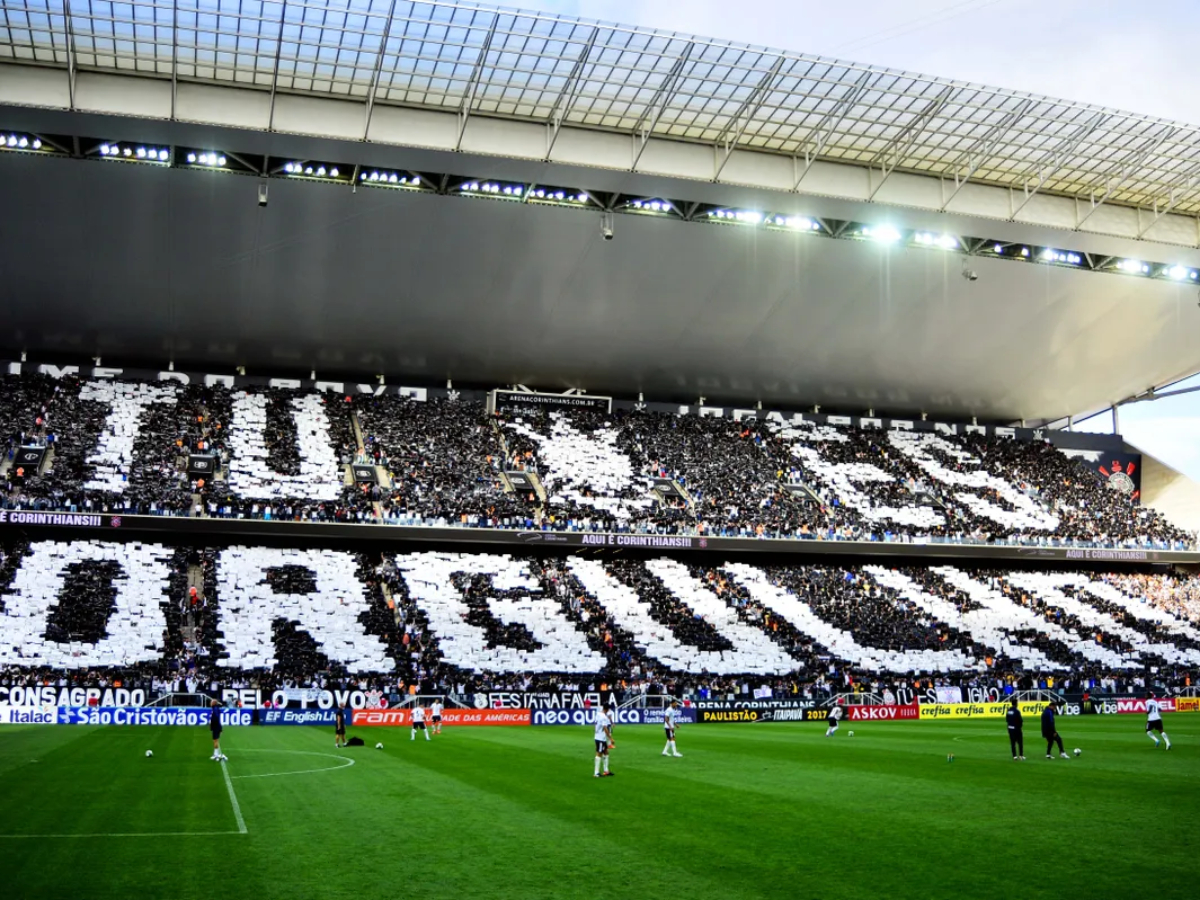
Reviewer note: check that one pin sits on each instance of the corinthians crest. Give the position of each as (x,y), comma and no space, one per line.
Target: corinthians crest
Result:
(1119,477)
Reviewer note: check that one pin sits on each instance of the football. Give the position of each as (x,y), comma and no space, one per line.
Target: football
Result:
(149,753)
(1077,751)
(852,734)
(379,746)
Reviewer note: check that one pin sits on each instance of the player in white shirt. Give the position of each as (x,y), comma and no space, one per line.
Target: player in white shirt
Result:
(603,736)
(1154,720)
(831,720)
(435,710)
(670,723)
(418,722)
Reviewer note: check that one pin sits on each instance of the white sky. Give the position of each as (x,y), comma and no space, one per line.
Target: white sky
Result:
(1115,53)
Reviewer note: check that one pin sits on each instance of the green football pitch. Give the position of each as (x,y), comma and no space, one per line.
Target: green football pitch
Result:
(761,810)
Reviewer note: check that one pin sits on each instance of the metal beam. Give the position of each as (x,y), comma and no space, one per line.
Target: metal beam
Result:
(464,110)
(1191,180)
(749,109)
(275,71)
(387,33)
(832,119)
(174,55)
(1059,155)
(566,97)
(659,103)
(911,131)
(981,151)
(1134,163)
(70,53)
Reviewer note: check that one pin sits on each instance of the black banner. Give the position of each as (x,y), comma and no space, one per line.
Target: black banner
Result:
(184,526)
(27,461)
(516,400)
(201,465)
(363,474)
(1122,472)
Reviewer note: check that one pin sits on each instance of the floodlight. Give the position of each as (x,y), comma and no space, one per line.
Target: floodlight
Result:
(1133,267)
(885,233)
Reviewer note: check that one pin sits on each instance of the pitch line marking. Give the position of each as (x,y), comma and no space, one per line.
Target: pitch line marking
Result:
(346,763)
(129,834)
(237,810)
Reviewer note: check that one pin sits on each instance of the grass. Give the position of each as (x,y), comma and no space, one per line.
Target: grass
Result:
(763,810)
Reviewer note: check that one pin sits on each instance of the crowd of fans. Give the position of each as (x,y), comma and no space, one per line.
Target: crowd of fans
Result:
(285,454)
(1100,633)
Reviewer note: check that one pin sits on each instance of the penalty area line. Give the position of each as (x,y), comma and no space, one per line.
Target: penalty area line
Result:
(237,810)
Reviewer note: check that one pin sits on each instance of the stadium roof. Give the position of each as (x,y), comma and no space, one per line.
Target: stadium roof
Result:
(565,72)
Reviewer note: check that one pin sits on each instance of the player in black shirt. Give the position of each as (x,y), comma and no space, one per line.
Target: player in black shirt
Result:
(339,727)
(1050,732)
(1016,738)
(214,725)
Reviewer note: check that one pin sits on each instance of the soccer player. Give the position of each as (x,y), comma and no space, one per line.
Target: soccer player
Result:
(435,710)
(832,719)
(1050,732)
(1016,737)
(603,735)
(1154,720)
(670,723)
(339,727)
(418,722)
(214,725)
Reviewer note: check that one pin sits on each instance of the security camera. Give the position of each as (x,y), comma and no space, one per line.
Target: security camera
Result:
(970,275)
(262,195)
(606,225)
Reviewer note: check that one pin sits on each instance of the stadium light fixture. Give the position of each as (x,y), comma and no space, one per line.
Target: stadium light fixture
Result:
(650,205)
(793,223)
(22,142)
(737,216)
(557,196)
(1180,273)
(142,153)
(206,158)
(500,190)
(389,178)
(1133,267)
(945,241)
(1060,257)
(885,234)
(316,171)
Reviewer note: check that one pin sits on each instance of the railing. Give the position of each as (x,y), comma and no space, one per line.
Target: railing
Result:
(183,700)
